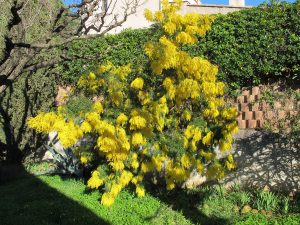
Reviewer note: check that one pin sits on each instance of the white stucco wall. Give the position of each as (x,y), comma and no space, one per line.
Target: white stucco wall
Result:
(137,20)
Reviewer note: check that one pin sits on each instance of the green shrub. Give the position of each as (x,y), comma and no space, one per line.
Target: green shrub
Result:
(240,198)
(260,219)
(266,201)
(121,49)
(256,45)
(77,105)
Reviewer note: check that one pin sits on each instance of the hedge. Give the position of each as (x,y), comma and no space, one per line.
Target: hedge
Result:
(256,45)
(120,49)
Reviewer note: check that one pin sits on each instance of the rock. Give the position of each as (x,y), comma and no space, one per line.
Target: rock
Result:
(269,213)
(266,188)
(246,209)
(47,156)
(194,181)
(264,158)
(236,208)
(292,195)
(254,211)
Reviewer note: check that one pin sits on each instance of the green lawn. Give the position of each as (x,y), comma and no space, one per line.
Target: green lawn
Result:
(56,200)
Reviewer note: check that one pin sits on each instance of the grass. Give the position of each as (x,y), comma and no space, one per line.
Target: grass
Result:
(60,200)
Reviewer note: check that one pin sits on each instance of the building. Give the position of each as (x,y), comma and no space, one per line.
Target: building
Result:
(138,20)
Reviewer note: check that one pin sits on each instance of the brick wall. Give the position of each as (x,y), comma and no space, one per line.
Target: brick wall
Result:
(254,110)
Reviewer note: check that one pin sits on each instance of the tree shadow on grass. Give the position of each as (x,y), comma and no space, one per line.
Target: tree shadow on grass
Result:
(188,203)
(24,199)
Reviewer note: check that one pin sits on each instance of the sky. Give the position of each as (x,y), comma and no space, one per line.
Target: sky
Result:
(224,2)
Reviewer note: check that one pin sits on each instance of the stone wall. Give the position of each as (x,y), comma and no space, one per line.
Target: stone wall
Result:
(263,158)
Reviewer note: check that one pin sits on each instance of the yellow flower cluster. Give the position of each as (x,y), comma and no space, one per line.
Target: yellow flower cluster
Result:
(192,135)
(230,163)
(90,82)
(95,181)
(138,83)
(134,131)
(122,119)
(175,174)
(68,131)
(116,186)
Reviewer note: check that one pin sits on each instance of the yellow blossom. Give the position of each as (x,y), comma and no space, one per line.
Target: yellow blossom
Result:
(107,199)
(148,15)
(186,115)
(117,165)
(95,182)
(224,145)
(186,161)
(92,76)
(122,119)
(137,122)
(157,162)
(147,167)
(140,191)
(86,127)
(84,159)
(135,164)
(230,164)
(207,139)
(170,185)
(97,107)
(137,139)
(208,155)
(200,167)
(137,83)
(144,97)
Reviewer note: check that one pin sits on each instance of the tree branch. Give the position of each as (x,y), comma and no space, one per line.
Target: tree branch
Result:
(129,9)
(19,55)
(64,58)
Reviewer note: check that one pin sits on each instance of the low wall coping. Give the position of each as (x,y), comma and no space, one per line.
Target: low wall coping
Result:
(218,6)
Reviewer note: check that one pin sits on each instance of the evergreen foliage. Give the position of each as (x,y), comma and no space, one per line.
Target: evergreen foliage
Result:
(256,45)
